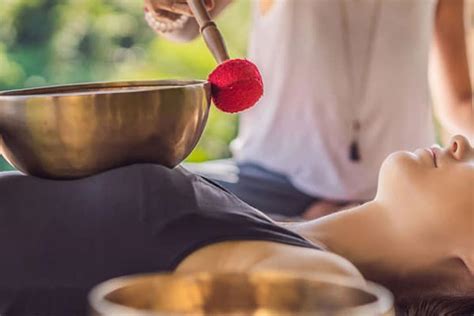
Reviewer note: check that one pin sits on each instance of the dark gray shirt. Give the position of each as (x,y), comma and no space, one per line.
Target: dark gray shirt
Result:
(60,238)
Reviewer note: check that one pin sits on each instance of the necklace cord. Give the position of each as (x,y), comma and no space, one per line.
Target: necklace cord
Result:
(354,97)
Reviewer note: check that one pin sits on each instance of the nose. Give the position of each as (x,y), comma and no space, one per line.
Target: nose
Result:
(459,147)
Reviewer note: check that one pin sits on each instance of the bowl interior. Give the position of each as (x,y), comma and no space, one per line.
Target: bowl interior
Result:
(237,294)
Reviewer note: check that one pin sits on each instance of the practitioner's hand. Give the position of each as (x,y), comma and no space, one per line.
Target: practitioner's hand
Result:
(173,18)
(165,16)
(170,9)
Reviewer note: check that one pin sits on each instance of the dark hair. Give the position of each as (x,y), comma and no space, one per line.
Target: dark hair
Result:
(424,293)
(437,305)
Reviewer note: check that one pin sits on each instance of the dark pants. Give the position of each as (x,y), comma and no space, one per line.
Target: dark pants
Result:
(268,191)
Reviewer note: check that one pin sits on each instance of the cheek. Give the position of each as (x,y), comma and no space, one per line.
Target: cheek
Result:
(447,204)
(441,198)
(455,195)
(450,187)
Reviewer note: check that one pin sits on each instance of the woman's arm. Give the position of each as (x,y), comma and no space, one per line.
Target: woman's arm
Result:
(449,69)
(191,29)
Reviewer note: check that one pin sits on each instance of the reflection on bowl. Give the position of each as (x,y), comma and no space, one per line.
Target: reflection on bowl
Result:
(263,293)
(74,131)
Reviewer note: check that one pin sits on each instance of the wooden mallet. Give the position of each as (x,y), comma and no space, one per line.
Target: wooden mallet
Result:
(236,83)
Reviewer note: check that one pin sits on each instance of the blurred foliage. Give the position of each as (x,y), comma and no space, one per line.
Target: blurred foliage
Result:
(45,42)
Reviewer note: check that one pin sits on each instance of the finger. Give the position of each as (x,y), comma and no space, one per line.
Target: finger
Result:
(154,14)
(178,6)
(159,16)
(209,4)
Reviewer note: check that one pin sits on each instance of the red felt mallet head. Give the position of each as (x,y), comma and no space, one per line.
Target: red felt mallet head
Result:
(236,83)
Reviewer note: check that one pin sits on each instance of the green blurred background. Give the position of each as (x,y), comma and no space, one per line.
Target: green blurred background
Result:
(45,42)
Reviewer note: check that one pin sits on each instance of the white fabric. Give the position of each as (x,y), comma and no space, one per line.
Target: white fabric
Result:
(301,127)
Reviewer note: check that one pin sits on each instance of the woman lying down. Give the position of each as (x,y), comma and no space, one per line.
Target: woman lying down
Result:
(60,238)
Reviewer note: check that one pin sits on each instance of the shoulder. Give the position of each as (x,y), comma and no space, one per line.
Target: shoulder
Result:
(250,256)
(306,260)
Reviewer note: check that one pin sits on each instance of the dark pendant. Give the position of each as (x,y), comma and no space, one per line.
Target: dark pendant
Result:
(354,152)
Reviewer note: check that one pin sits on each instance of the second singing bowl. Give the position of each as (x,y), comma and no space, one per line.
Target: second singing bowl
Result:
(232,294)
(73,131)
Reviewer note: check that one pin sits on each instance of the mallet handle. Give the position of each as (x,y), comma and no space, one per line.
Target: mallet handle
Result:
(210,32)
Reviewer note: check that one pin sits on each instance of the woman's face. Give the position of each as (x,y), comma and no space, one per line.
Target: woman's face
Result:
(432,190)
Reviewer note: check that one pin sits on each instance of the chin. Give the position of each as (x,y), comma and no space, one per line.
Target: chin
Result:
(397,174)
(400,158)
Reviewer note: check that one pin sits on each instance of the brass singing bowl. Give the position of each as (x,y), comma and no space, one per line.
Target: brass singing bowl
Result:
(257,294)
(73,131)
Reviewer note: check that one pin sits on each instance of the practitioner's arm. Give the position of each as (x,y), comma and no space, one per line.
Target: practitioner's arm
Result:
(449,68)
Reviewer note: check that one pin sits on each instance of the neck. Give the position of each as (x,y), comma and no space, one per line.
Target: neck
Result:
(376,240)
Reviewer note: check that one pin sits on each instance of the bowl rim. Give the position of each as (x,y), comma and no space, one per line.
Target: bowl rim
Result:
(100,88)
(98,302)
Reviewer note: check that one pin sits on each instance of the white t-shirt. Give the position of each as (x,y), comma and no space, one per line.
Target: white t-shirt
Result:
(302,125)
